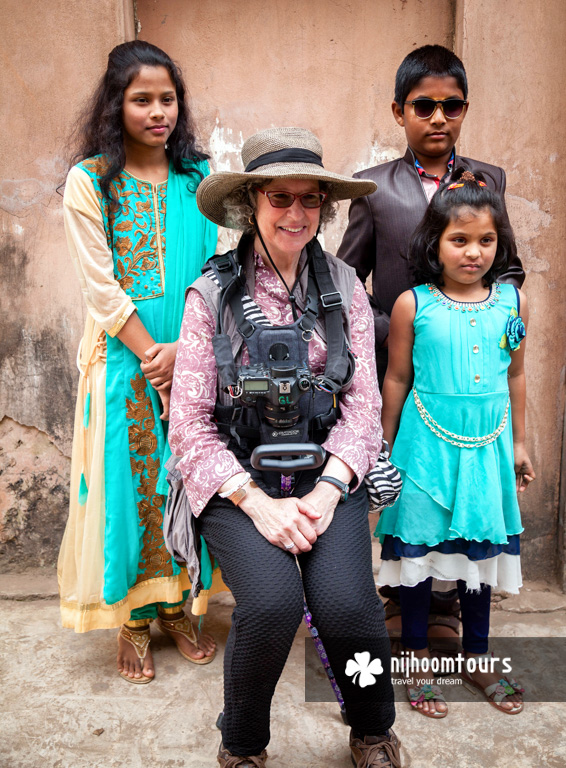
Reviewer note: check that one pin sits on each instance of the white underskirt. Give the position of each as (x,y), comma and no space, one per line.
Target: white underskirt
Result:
(502,571)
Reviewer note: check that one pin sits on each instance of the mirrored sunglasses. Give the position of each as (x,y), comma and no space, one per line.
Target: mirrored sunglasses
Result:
(425,108)
(286,199)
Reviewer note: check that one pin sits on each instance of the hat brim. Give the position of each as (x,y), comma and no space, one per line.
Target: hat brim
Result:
(214,189)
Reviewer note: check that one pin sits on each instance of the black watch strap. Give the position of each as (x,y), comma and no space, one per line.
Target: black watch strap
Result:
(344,488)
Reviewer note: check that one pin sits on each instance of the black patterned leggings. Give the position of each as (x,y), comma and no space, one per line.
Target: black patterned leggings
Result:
(336,576)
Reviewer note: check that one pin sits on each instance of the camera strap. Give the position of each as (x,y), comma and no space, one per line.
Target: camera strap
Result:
(339,367)
(321,292)
(227,273)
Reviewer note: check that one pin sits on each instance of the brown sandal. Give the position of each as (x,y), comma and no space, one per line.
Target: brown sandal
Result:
(498,692)
(443,632)
(443,637)
(140,641)
(183,627)
(392,611)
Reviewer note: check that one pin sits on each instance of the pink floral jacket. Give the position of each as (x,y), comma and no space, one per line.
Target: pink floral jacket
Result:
(206,463)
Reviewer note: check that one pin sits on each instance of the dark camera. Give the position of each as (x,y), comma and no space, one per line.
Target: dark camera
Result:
(282,385)
(280,382)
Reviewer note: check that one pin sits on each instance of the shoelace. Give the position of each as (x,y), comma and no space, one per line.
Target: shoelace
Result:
(372,753)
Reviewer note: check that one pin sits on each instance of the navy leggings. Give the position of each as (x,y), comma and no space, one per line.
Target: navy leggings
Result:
(475,606)
(337,580)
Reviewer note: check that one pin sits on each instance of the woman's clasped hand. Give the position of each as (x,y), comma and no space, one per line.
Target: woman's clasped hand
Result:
(282,521)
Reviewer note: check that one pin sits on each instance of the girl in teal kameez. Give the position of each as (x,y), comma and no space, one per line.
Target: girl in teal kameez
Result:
(137,240)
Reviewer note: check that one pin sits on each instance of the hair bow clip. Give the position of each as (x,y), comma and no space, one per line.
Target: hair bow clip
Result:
(461,184)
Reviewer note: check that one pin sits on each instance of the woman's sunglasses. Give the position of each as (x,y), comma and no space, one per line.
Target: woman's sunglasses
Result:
(425,108)
(286,199)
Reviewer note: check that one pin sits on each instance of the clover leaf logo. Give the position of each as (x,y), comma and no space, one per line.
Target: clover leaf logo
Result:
(364,669)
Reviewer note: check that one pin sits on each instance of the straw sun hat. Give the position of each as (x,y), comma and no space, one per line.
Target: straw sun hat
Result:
(276,153)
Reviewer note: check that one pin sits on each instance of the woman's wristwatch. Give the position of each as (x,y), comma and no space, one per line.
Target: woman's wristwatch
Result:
(238,493)
(344,488)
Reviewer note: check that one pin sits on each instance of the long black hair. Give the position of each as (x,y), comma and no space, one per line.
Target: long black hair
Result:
(442,209)
(100,128)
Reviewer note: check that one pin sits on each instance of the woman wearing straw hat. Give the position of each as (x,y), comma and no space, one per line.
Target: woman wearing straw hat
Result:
(260,524)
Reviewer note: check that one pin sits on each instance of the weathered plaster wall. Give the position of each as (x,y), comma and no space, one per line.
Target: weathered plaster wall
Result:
(33,496)
(330,67)
(51,56)
(516,120)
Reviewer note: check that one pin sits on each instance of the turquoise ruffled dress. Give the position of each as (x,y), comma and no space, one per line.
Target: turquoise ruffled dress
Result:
(457,516)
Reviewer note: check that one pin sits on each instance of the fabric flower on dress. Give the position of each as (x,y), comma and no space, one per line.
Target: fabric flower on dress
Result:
(514,332)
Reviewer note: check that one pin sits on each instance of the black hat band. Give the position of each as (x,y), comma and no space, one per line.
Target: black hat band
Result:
(292,155)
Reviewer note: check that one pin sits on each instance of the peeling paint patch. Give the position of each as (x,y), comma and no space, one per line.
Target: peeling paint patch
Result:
(32,377)
(227,239)
(34,497)
(225,147)
(377,156)
(17,196)
(528,221)
(34,381)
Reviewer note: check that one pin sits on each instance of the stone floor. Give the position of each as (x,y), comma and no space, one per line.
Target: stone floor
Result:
(64,706)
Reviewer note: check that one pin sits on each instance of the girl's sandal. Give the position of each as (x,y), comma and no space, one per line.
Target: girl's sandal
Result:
(140,641)
(426,692)
(497,692)
(185,628)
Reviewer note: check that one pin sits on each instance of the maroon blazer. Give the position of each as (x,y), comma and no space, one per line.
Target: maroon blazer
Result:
(381,224)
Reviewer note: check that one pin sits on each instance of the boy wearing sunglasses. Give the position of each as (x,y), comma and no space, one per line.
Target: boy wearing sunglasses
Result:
(431,91)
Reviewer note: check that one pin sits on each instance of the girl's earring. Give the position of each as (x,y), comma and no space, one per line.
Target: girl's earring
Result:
(166,145)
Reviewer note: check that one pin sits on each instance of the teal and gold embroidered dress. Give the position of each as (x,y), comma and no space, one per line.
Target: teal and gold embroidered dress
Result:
(139,257)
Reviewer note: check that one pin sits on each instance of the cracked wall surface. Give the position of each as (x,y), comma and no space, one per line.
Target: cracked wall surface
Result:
(52,56)
(333,70)
(34,497)
(49,65)
(329,67)
(510,77)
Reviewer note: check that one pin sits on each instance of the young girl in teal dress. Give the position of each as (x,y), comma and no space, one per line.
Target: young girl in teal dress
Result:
(454,412)
(137,240)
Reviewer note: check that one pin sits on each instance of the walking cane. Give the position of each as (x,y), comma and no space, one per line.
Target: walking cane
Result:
(325,663)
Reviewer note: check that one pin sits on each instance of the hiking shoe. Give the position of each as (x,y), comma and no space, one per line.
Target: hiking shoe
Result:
(228,760)
(376,751)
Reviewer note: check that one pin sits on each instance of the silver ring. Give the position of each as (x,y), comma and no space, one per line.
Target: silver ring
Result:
(289,546)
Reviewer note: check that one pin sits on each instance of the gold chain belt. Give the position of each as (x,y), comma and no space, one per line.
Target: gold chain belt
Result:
(461,441)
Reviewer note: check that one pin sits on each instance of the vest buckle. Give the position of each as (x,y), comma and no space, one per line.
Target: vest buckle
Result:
(331,300)
(223,263)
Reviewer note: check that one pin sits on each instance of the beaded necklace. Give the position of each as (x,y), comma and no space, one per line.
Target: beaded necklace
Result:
(466,306)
